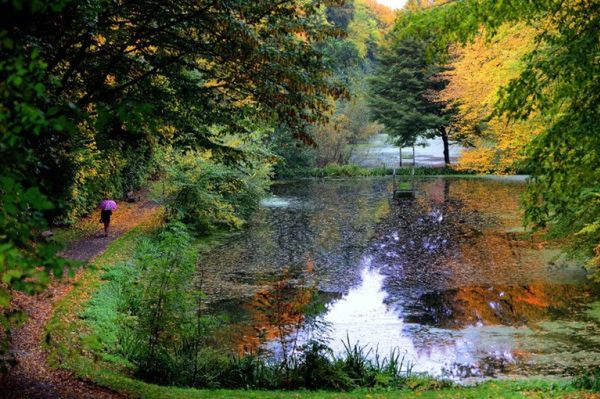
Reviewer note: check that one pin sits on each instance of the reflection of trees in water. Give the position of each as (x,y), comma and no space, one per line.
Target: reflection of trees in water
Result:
(278,313)
(327,223)
(498,305)
(283,309)
(449,261)
(451,258)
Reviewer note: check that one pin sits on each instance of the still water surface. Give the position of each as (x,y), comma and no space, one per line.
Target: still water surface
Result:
(449,278)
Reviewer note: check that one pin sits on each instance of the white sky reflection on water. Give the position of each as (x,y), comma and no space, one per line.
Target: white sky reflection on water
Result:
(365,318)
(275,202)
(458,291)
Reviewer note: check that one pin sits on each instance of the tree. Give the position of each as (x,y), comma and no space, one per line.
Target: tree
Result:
(494,144)
(350,58)
(121,79)
(559,83)
(91,91)
(405,89)
(370,22)
(350,124)
(341,16)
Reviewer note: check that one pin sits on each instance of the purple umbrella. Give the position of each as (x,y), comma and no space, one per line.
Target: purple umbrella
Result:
(108,205)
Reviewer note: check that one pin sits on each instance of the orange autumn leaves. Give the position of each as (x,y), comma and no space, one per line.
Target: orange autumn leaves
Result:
(277,313)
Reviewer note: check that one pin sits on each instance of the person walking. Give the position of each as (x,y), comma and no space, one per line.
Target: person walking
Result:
(106,208)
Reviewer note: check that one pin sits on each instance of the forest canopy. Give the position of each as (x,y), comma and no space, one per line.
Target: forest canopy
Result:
(95,95)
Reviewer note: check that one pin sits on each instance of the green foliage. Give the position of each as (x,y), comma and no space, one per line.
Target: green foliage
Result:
(334,170)
(103,312)
(316,368)
(292,154)
(404,89)
(351,59)
(25,265)
(209,195)
(589,380)
(91,92)
(162,302)
(368,26)
(312,367)
(341,15)
(564,193)
(350,125)
(87,104)
(146,316)
(559,83)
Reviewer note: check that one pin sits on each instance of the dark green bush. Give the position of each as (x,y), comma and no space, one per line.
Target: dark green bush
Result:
(589,380)
(316,368)
(162,302)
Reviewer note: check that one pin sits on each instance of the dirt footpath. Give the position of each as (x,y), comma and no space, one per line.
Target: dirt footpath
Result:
(31,377)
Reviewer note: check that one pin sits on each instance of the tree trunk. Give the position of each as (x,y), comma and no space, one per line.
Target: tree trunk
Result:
(414,160)
(446,145)
(400,163)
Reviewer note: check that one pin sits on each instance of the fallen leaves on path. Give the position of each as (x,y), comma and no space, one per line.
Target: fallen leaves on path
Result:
(31,377)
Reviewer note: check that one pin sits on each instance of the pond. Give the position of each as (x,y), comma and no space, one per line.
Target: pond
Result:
(450,278)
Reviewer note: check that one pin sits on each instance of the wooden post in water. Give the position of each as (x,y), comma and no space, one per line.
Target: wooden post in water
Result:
(402,191)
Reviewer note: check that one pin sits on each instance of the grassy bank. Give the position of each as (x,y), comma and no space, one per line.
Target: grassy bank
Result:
(335,170)
(67,334)
(500,389)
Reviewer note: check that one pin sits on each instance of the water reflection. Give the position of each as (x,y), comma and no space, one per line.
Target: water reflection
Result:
(450,278)
(328,223)
(362,316)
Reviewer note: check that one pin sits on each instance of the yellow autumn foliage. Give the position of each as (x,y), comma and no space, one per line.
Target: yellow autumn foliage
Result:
(370,22)
(480,69)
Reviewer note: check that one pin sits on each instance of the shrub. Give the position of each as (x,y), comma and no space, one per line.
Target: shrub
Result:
(316,368)
(162,301)
(208,195)
(588,380)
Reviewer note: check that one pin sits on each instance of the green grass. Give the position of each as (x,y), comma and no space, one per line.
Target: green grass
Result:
(66,327)
(494,389)
(335,170)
